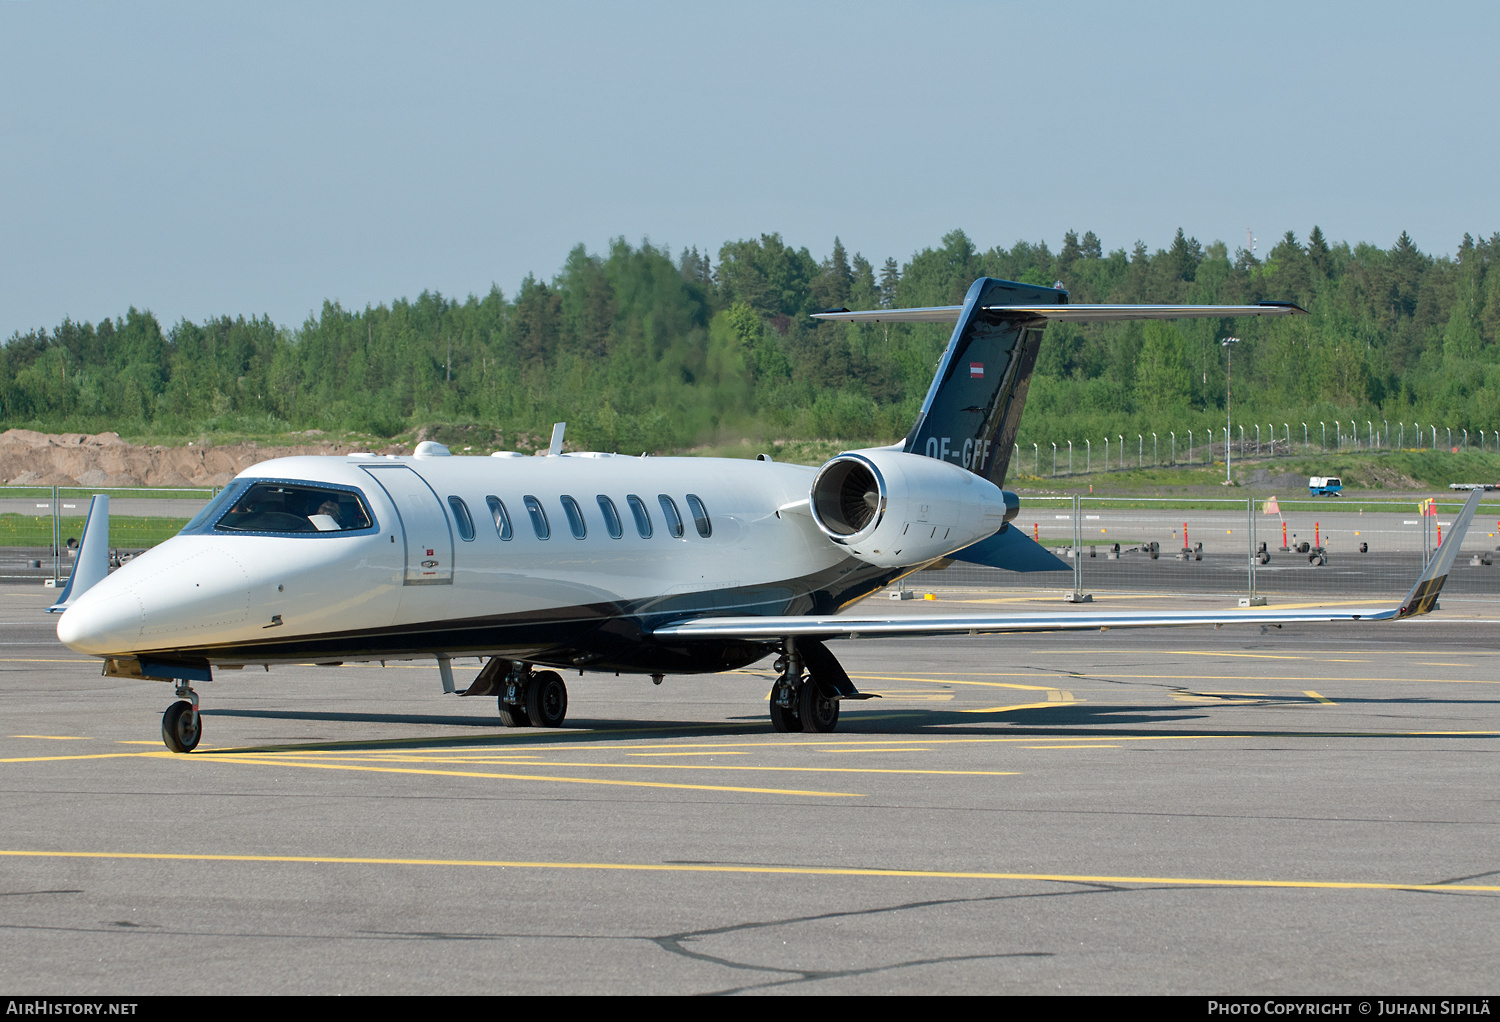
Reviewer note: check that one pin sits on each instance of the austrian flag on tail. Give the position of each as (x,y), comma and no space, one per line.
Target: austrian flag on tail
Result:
(976,370)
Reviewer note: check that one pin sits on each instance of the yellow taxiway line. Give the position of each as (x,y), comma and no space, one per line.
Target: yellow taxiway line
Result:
(846,871)
(276,761)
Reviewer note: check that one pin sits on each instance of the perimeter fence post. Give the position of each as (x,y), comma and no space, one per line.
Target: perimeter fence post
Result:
(1078,595)
(1250,529)
(56,540)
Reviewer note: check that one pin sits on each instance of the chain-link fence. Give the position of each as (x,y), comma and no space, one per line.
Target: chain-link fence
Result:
(41,526)
(1250,548)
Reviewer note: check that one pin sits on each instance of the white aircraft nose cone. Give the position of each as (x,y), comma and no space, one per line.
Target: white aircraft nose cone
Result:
(100,627)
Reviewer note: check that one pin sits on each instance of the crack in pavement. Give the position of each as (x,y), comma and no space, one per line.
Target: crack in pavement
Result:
(674,943)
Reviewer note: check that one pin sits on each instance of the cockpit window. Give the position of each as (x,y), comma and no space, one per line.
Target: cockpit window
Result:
(294,508)
(213,507)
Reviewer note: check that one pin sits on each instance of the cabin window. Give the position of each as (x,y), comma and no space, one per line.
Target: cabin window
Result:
(538,517)
(501,516)
(611,517)
(294,508)
(642,518)
(462,518)
(669,511)
(575,517)
(700,516)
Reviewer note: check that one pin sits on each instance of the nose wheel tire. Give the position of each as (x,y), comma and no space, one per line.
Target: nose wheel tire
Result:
(181,727)
(546,699)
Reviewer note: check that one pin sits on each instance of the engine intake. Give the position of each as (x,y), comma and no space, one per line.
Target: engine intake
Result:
(848,496)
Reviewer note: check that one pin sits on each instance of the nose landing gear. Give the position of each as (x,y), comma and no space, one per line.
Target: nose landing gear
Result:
(182,725)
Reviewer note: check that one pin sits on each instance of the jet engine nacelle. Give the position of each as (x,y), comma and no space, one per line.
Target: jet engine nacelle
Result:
(895,509)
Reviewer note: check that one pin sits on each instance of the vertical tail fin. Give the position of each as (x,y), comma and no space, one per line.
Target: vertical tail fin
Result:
(973,407)
(92,564)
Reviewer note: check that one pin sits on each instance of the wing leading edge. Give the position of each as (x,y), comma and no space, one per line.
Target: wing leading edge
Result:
(1420,600)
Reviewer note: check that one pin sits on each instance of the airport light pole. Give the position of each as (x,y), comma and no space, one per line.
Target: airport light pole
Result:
(1288,427)
(1324,446)
(1088,456)
(1036,458)
(1155,462)
(1370,434)
(1122,451)
(1070,457)
(1174,446)
(1140,451)
(1304,438)
(1228,345)
(1054,459)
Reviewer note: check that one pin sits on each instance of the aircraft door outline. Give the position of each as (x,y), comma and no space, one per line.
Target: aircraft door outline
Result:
(426,531)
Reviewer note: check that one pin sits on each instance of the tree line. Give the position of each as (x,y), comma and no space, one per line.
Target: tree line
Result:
(643,350)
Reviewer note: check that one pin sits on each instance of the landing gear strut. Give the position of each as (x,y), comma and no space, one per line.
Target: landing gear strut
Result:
(182,725)
(533,698)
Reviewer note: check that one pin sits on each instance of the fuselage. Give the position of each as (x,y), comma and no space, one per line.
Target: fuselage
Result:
(546,559)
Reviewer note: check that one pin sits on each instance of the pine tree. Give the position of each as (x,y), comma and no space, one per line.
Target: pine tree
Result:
(890,280)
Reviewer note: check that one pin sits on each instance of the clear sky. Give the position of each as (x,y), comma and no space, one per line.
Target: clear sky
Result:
(256,158)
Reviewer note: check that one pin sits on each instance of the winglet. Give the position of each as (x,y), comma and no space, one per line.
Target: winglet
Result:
(1423,595)
(92,564)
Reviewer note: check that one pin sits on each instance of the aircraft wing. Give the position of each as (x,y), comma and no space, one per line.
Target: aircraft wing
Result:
(1069,313)
(1420,600)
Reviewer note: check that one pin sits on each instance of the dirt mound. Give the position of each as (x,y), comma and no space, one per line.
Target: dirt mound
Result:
(29,458)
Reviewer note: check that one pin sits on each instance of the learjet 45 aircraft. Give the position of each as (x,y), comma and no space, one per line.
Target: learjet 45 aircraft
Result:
(604,562)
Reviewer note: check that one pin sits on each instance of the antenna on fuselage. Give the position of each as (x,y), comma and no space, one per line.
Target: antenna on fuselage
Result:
(555,447)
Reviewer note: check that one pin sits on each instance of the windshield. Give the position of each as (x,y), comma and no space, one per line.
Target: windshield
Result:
(294,508)
(213,507)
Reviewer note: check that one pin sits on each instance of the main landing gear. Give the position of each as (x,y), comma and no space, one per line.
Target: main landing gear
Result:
(182,725)
(809,702)
(532,698)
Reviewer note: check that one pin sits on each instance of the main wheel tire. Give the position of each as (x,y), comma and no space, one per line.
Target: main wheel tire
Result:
(181,728)
(818,715)
(784,719)
(546,699)
(513,714)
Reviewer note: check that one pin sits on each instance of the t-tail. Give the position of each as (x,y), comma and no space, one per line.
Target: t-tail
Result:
(973,408)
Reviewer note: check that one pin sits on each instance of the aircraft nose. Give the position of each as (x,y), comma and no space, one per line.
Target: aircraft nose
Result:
(103,626)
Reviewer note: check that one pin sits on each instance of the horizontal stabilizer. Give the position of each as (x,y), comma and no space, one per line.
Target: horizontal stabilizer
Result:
(1065,313)
(1012,550)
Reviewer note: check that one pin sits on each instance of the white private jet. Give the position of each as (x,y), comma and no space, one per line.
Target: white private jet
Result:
(646,565)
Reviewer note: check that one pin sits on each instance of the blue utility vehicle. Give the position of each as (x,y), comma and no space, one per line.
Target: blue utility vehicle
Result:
(1325,486)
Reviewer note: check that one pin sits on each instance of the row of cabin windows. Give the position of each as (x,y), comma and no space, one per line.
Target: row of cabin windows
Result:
(576,523)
